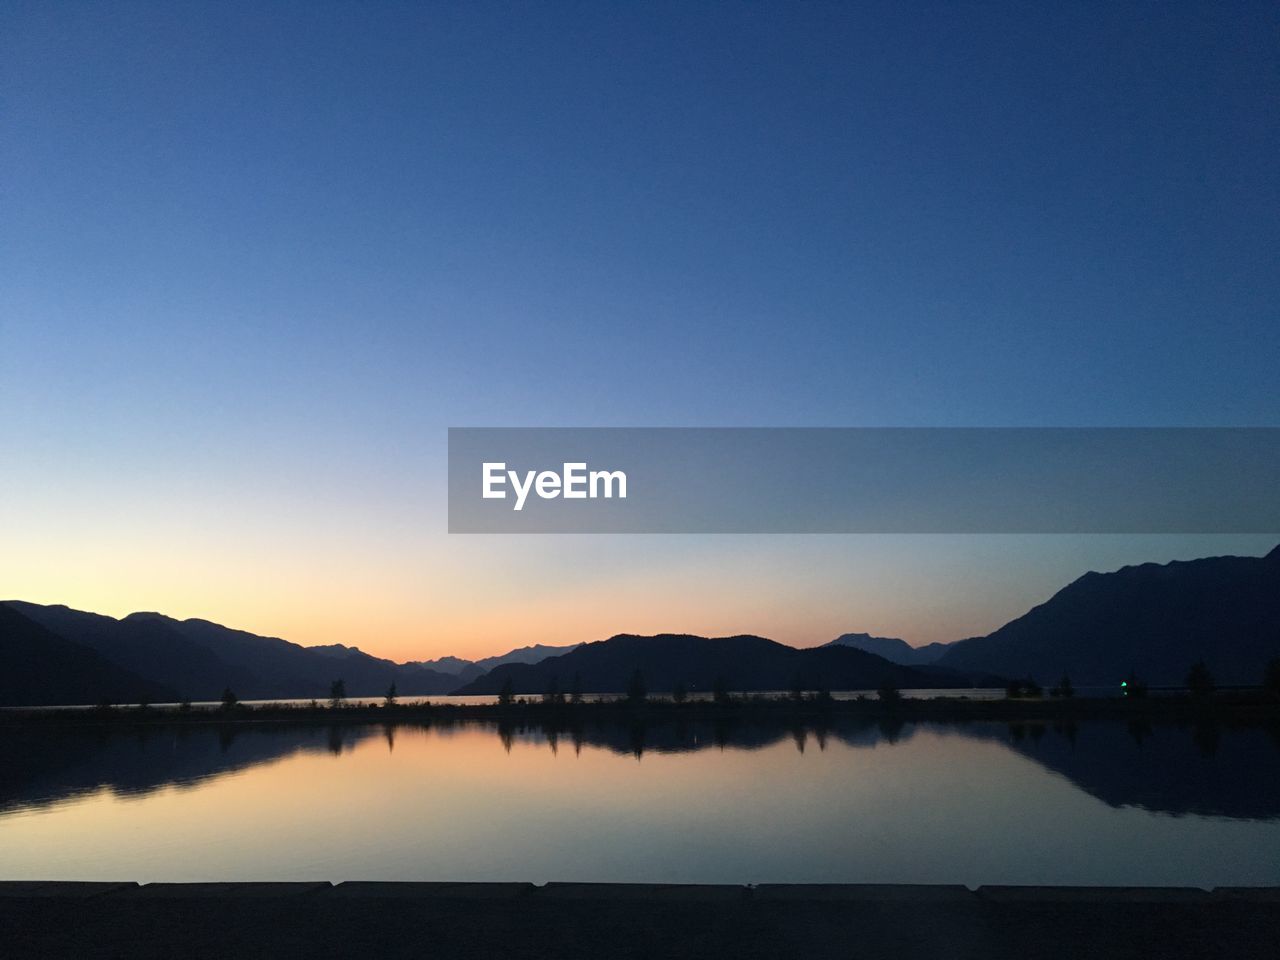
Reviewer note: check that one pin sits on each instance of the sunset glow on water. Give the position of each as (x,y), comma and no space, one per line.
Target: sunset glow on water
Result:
(986,803)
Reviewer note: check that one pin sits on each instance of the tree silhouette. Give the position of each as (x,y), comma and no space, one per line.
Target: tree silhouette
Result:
(553,694)
(391,695)
(575,689)
(1132,688)
(797,688)
(507,694)
(229,701)
(720,691)
(1026,687)
(337,693)
(1200,680)
(636,689)
(680,693)
(888,691)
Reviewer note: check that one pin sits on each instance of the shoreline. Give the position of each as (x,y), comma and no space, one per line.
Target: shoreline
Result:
(1242,708)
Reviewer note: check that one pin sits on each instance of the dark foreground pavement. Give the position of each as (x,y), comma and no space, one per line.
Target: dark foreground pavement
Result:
(442,920)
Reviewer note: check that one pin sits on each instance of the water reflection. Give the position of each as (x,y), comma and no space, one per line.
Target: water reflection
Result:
(1199,769)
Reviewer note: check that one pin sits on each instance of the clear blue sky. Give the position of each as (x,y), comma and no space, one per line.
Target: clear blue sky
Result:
(257,257)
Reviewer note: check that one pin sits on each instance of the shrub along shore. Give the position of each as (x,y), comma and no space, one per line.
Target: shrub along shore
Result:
(1237,707)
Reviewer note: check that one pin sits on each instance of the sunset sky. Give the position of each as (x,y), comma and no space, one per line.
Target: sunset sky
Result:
(258,258)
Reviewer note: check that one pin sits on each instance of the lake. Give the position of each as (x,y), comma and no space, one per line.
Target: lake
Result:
(697,802)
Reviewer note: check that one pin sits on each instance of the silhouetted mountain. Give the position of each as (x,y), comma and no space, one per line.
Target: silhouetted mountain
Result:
(533,654)
(198,659)
(1153,619)
(1167,769)
(741,663)
(891,648)
(49,766)
(145,646)
(39,668)
(1164,768)
(468,670)
(339,650)
(453,666)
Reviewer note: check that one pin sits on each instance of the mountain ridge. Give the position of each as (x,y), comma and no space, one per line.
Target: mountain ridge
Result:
(1152,619)
(198,658)
(742,662)
(41,668)
(891,648)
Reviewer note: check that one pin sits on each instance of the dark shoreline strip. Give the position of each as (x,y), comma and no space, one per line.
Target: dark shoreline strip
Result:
(1245,708)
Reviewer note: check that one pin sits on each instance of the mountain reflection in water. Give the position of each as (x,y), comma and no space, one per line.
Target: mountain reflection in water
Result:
(1196,769)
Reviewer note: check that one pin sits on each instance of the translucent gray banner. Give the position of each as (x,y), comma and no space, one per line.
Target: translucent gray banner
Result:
(864,480)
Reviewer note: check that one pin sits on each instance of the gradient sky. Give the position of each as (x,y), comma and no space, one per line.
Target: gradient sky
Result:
(256,258)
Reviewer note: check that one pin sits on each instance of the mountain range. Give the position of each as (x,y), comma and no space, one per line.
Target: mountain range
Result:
(197,659)
(1151,619)
(1121,765)
(467,670)
(892,649)
(37,666)
(700,663)
(57,655)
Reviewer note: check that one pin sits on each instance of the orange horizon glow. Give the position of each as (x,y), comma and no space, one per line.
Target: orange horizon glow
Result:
(471,599)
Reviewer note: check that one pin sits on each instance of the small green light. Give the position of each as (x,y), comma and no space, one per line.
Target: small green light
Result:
(1124,683)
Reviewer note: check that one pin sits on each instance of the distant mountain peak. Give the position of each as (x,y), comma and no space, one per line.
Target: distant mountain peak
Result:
(743,662)
(335,649)
(891,648)
(198,659)
(848,638)
(530,654)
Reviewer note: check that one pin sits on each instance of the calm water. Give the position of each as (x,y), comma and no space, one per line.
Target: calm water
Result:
(746,803)
(969,693)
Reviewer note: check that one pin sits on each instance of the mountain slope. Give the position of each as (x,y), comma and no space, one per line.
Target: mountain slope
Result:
(149,648)
(39,668)
(467,670)
(1154,619)
(742,663)
(531,654)
(199,659)
(891,648)
(284,669)
(452,666)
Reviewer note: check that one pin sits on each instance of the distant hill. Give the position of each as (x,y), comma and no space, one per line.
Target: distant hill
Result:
(198,659)
(742,662)
(1154,619)
(39,668)
(531,654)
(891,648)
(468,670)
(452,666)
